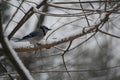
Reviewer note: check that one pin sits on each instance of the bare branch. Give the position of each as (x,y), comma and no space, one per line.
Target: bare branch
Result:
(112,35)
(12,55)
(84,14)
(13,15)
(64,71)
(73,2)
(63,58)
(4,68)
(93,29)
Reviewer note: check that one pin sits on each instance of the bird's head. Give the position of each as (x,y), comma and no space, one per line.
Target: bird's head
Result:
(44,28)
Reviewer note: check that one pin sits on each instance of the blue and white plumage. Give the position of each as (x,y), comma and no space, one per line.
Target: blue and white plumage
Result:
(35,36)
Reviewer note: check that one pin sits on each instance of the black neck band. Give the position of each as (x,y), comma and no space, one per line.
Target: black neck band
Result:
(44,33)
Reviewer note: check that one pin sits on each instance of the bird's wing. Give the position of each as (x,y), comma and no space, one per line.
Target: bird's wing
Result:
(31,35)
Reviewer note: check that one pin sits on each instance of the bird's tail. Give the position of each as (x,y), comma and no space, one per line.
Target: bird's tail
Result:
(16,39)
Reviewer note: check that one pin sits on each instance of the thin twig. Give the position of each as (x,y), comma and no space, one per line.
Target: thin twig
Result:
(14,6)
(83,41)
(112,35)
(84,2)
(85,10)
(4,68)
(64,71)
(62,26)
(63,58)
(84,14)
(61,15)
(13,15)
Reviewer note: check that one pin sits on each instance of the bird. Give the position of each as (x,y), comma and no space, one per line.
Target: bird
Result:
(37,35)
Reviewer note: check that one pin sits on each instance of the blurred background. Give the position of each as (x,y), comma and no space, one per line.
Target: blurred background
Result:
(90,57)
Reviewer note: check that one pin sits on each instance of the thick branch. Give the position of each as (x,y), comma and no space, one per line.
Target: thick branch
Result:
(91,30)
(13,57)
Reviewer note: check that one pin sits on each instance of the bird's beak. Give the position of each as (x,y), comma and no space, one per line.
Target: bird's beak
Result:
(49,29)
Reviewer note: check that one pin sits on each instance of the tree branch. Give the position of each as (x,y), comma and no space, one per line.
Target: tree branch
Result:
(91,30)
(12,55)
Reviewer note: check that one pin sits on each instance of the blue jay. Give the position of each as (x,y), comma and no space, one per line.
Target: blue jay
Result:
(35,36)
